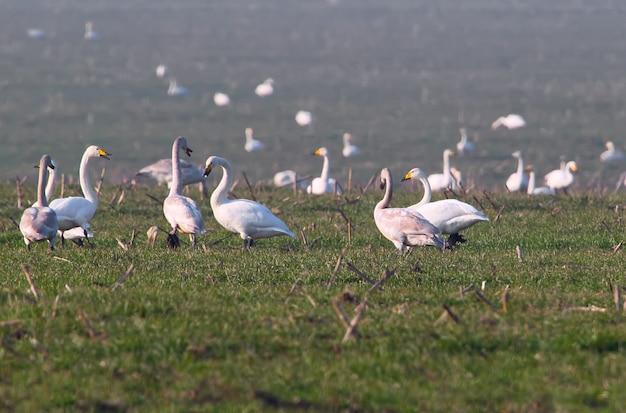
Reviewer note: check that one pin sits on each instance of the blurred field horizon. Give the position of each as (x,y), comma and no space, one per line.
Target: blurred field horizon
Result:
(401,76)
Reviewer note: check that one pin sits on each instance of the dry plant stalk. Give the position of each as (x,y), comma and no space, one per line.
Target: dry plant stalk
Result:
(617,297)
(123,278)
(488,198)
(117,192)
(153,233)
(294,286)
(20,195)
(56,305)
(315,241)
(387,275)
(349,179)
(155,199)
(369,183)
(93,333)
(447,312)
(355,320)
(520,253)
(358,272)
(10,323)
(101,180)
(245,177)
(62,185)
(334,274)
(484,299)
(304,240)
(618,247)
(498,214)
(467,289)
(122,244)
(482,208)
(505,297)
(590,308)
(33,288)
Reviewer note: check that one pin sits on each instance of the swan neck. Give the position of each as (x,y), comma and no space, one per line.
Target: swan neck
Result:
(531,183)
(520,166)
(41,193)
(220,194)
(386,201)
(177,183)
(50,183)
(85,181)
(427,191)
(325,169)
(446,165)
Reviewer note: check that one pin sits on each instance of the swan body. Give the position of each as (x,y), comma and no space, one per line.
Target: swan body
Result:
(247,218)
(77,211)
(517,181)
(611,154)
(402,226)
(221,99)
(161,170)
(532,189)
(457,179)
(510,121)
(90,34)
(266,88)
(176,90)
(287,178)
(252,145)
(304,118)
(561,178)
(162,71)
(323,184)
(449,215)
(464,147)
(180,211)
(36,34)
(444,181)
(348,148)
(39,223)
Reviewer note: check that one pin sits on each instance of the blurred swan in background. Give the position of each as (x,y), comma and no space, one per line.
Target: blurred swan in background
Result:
(162,71)
(348,148)
(36,33)
(90,34)
(464,147)
(266,88)
(304,118)
(161,171)
(611,154)
(517,181)
(287,178)
(176,90)
(532,189)
(323,184)
(443,181)
(561,178)
(221,99)
(510,121)
(252,145)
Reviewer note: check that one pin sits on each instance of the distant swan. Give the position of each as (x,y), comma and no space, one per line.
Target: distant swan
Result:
(252,145)
(36,33)
(287,178)
(247,218)
(176,90)
(444,181)
(532,189)
(323,184)
(348,148)
(90,34)
(561,179)
(511,121)
(221,99)
(464,147)
(517,181)
(402,226)
(162,71)
(611,154)
(180,211)
(161,170)
(39,223)
(266,88)
(304,118)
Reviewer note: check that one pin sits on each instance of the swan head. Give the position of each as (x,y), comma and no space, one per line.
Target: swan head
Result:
(571,165)
(385,177)
(415,173)
(48,162)
(269,81)
(249,133)
(210,164)
(463,132)
(97,152)
(529,168)
(321,152)
(347,138)
(448,152)
(517,154)
(182,141)
(610,146)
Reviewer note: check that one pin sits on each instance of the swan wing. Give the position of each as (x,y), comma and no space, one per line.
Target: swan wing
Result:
(250,219)
(73,212)
(39,223)
(183,213)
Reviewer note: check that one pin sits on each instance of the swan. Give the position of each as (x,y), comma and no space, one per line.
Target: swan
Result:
(532,190)
(252,145)
(77,211)
(402,226)
(162,71)
(36,33)
(561,178)
(621,181)
(457,179)
(39,223)
(175,90)
(90,34)
(323,184)
(449,215)
(249,219)
(266,88)
(161,170)
(444,181)
(287,178)
(611,154)
(348,148)
(221,99)
(464,146)
(180,211)
(510,121)
(517,181)
(304,118)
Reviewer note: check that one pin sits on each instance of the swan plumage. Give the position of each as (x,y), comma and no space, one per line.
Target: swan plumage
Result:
(323,184)
(402,226)
(36,33)
(517,181)
(252,145)
(39,223)
(266,88)
(449,215)
(535,190)
(561,178)
(161,170)
(175,89)
(247,218)
(304,118)
(90,34)
(287,178)
(510,121)
(612,154)
(464,147)
(162,71)
(349,149)
(443,181)
(221,99)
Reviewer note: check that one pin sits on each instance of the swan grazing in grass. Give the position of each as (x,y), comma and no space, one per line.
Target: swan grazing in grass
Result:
(611,154)
(90,34)
(464,147)
(266,88)
(180,211)
(161,170)
(517,181)
(348,148)
(510,121)
(449,215)
(77,211)
(39,223)
(252,145)
(402,226)
(323,184)
(444,181)
(304,118)
(176,90)
(221,99)
(249,219)
(287,178)
(561,178)
(162,71)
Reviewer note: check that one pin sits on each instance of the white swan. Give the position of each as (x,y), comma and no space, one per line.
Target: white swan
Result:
(402,226)
(36,33)
(323,184)
(161,170)
(180,211)
(444,181)
(348,148)
(176,90)
(221,99)
(457,179)
(304,118)
(449,215)
(266,88)
(249,219)
(561,179)
(611,154)
(464,147)
(252,145)
(517,181)
(77,211)
(162,71)
(510,121)
(532,189)
(90,34)
(39,223)
(287,178)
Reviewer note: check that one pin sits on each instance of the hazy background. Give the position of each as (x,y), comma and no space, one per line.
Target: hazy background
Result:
(402,76)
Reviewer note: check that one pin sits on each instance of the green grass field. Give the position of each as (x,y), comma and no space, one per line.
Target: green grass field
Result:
(225,329)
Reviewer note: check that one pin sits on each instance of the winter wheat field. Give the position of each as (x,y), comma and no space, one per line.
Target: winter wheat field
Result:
(524,316)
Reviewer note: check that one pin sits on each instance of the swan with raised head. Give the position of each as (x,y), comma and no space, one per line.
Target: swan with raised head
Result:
(464,147)
(510,121)
(349,149)
(221,99)
(561,178)
(175,89)
(266,88)
(444,181)
(287,178)
(39,223)
(77,211)
(304,118)
(249,219)
(323,184)
(534,190)
(611,154)
(517,181)
(161,170)
(252,145)
(402,226)
(162,71)
(449,215)
(180,211)
(90,34)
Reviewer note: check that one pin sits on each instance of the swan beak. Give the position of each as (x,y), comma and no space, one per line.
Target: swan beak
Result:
(187,151)
(574,168)
(103,154)
(317,152)
(452,153)
(407,177)
(207,171)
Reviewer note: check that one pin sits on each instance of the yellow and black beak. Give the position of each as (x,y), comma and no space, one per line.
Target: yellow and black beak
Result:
(207,171)
(103,154)
(317,152)
(407,177)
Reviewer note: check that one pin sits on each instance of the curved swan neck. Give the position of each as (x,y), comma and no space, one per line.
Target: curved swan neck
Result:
(41,193)
(50,184)
(220,194)
(427,191)
(463,136)
(385,176)
(446,165)
(85,181)
(177,182)
(520,165)
(325,169)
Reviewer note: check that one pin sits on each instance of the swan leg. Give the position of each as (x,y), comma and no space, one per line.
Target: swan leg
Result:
(62,239)
(192,237)
(247,243)
(86,236)
(454,239)
(172,239)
